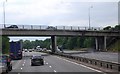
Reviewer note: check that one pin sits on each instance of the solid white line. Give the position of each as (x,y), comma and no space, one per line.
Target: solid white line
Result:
(80,64)
(55,71)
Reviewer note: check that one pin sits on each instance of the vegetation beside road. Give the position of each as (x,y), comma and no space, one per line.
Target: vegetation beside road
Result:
(4,44)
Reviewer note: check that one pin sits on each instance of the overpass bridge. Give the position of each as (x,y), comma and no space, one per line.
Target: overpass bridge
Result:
(98,33)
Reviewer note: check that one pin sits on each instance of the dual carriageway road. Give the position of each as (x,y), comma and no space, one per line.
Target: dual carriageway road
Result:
(52,63)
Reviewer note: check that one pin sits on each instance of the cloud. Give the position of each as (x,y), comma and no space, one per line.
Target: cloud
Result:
(57,12)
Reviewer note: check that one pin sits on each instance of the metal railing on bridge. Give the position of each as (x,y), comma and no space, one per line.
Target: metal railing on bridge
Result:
(45,27)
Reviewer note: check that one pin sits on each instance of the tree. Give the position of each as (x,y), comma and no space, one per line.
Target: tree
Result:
(117,27)
(5,45)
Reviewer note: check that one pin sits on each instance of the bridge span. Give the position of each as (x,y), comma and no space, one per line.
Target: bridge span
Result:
(99,34)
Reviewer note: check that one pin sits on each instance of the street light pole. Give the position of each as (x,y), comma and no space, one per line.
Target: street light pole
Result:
(89,16)
(4,14)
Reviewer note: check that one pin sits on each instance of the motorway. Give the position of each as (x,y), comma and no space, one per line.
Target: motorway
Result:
(52,64)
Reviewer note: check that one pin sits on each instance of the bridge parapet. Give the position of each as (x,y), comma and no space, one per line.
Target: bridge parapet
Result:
(45,27)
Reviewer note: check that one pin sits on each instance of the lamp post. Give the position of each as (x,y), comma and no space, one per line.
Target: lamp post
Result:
(4,13)
(89,16)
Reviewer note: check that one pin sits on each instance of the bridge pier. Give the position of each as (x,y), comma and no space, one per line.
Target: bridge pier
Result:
(105,43)
(100,43)
(54,43)
(96,43)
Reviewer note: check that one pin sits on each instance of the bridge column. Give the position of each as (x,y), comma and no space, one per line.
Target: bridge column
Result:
(96,43)
(53,39)
(105,42)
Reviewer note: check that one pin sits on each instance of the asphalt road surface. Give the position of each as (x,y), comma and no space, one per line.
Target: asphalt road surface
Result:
(52,64)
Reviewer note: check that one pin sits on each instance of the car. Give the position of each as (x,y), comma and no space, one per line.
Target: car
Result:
(12,26)
(30,50)
(37,60)
(25,50)
(51,28)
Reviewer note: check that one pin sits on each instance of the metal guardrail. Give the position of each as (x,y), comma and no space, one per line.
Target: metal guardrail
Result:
(45,27)
(99,63)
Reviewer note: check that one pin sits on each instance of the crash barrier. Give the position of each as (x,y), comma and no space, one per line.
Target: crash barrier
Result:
(99,63)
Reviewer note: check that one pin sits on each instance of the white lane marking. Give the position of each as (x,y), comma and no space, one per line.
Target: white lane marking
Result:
(50,66)
(23,65)
(55,71)
(46,63)
(80,64)
(24,61)
(21,68)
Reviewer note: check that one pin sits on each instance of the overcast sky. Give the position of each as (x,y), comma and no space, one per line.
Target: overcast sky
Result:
(60,12)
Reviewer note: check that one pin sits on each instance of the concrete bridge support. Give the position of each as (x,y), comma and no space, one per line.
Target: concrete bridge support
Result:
(100,43)
(105,43)
(96,43)
(54,43)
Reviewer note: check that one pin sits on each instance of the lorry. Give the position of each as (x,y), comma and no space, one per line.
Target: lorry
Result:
(16,50)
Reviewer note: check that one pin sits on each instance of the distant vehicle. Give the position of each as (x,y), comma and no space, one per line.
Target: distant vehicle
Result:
(16,50)
(44,49)
(37,60)
(12,26)
(25,50)
(38,49)
(5,63)
(30,50)
(51,28)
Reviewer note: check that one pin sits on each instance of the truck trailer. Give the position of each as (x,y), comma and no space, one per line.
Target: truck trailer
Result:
(16,50)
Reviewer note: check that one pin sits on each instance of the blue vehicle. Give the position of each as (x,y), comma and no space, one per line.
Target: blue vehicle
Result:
(16,50)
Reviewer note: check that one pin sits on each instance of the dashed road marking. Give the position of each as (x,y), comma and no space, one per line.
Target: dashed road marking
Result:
(21,68)
(50,66)
(79,64)
(55,71)
(46,63)
(23,65)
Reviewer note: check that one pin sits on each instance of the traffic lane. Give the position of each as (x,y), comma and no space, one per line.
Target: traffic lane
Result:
(63,65)
(104,56)
(26,67)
